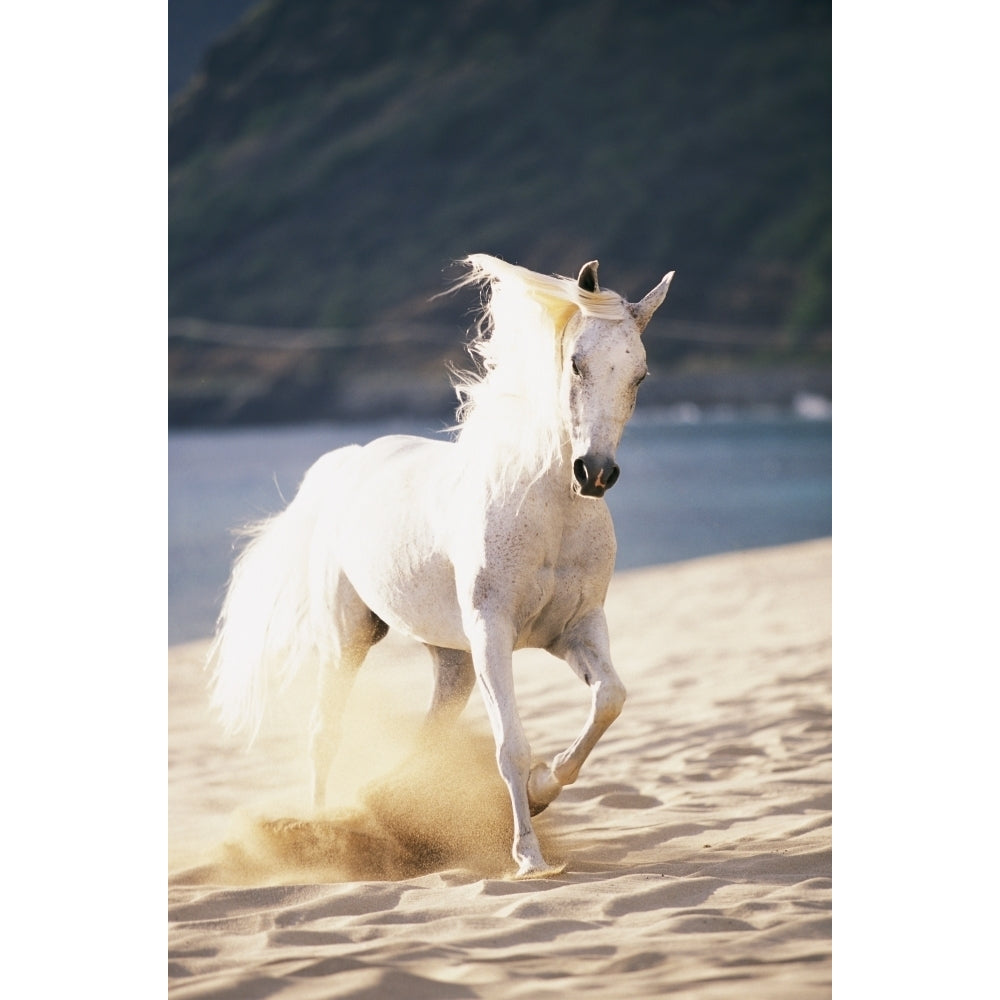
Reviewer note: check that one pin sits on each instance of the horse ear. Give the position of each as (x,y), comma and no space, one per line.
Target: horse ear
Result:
(588,277)
(643,311)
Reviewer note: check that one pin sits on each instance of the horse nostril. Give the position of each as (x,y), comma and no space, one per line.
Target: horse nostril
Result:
(613,478)
(580,472)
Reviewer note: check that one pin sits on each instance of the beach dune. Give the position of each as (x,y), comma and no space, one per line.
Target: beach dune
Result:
(697,841)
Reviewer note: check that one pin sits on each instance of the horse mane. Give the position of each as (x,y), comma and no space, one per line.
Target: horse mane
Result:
(511,403)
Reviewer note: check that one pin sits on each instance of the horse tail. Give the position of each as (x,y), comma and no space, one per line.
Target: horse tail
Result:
(272,618)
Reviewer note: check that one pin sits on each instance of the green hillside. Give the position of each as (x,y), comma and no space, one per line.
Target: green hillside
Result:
(333,157)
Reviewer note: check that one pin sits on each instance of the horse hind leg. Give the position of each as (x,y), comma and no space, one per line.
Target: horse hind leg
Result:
(454,679)
(358,629)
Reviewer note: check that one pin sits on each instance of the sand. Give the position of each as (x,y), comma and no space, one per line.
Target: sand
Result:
(697,840)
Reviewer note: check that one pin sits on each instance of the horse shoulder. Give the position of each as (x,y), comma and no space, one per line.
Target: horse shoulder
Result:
(535,564)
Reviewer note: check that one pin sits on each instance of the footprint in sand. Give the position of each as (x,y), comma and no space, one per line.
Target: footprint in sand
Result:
(629,800)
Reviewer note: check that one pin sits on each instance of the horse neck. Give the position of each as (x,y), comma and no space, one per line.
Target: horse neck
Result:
(520,456)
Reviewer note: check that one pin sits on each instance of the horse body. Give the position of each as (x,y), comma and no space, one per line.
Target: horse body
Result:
(496,541)
(419,566)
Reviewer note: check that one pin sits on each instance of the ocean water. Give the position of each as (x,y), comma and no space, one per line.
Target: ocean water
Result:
(691,485)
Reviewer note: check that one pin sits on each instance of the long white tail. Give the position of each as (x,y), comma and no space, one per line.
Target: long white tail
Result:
(274,617)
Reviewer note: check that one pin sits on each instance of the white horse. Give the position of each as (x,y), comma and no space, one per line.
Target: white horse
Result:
(496,541)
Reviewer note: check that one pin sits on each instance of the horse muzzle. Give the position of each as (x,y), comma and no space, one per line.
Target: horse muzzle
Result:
(594,475)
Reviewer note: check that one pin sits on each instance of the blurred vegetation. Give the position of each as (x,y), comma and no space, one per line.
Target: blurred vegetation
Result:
(333,156)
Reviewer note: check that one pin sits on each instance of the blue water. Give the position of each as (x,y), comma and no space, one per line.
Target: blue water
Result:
(686,490)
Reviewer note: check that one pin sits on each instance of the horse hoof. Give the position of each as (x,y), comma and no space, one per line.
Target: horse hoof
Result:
(542,788)
(530,871)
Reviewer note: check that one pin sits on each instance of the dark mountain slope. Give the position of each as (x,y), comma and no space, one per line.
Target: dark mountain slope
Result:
(333,157)
(194,26)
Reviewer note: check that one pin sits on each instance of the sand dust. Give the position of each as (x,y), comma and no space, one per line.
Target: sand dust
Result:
(443,806)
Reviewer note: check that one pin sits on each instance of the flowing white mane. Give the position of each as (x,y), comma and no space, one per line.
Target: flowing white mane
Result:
(512,403)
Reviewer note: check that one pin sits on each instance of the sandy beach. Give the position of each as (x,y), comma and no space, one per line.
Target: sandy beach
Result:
(697,840)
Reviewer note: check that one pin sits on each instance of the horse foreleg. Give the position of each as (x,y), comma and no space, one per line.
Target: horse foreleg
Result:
(587,649)
(492,654)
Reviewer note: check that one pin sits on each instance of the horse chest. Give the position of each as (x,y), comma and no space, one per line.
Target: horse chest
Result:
(571,578)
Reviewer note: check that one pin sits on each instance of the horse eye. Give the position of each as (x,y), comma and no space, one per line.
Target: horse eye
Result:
(641,379)
(575,366)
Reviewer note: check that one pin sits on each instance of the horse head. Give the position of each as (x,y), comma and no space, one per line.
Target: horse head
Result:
(604,362)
